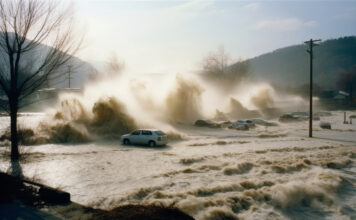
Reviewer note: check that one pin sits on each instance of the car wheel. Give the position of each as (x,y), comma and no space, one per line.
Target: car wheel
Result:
(126,142)
(151,144)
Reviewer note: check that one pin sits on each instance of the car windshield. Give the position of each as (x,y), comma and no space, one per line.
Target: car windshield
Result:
(160,133)
(137,132)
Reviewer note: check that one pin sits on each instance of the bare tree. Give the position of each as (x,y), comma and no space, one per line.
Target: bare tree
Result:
(216,62)
(220,70)
(115,66)
(36,42)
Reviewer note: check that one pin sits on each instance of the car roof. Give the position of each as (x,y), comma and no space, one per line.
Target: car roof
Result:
(148,129)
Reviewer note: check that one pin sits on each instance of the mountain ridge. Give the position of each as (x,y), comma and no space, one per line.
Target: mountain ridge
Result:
(289,66)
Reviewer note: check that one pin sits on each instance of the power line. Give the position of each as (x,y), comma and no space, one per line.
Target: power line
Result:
(311,43)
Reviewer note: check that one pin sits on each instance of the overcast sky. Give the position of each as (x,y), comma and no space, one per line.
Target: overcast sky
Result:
(174,36)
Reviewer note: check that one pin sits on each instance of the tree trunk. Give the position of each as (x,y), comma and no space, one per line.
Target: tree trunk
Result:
(14,140)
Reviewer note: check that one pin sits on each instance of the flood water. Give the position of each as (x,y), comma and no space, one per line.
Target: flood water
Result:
(264,173)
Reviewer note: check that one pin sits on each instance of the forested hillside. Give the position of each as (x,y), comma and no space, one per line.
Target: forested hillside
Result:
(289,66)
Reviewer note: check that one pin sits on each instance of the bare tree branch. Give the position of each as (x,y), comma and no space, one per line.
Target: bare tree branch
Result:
(36,38)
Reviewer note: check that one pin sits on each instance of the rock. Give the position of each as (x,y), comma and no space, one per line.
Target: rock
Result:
(54,196)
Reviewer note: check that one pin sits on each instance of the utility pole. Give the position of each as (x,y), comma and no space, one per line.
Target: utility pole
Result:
(311,43)
(47,82)
(69,75)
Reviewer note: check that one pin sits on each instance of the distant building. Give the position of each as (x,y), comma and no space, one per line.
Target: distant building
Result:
(335,99)
(53,93)
(334,94)
(47,97)
(341,95)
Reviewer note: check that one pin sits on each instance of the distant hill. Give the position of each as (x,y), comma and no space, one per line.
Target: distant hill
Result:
(79,69)
(289,66)
(47,93)
(79,73)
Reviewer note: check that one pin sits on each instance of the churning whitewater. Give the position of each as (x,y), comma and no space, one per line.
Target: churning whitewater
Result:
(268,172)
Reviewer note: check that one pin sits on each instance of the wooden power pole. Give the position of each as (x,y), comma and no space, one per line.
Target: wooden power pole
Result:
(311,43)
(69,75)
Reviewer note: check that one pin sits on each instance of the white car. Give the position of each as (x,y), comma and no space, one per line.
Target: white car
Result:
(151,137)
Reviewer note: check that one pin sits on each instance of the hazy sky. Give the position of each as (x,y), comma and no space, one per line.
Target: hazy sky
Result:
(174,36)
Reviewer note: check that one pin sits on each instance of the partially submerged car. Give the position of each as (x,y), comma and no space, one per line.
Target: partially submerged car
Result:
(297,116)
(289,118)
(206,123)
(263,122)
(305,114)
(151,137)
(325,125)
(240,125)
